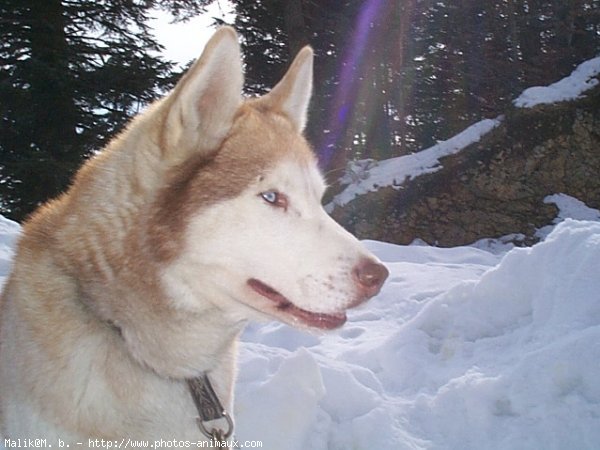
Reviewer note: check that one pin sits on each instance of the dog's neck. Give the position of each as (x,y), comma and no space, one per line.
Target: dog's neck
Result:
(206,401)
(201,340)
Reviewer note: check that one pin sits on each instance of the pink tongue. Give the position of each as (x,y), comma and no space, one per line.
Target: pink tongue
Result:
(320,320)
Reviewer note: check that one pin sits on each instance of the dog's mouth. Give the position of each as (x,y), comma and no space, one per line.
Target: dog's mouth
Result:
(283,305)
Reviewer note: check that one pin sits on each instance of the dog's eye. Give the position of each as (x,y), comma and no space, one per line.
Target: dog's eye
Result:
(275,198)
(270,196)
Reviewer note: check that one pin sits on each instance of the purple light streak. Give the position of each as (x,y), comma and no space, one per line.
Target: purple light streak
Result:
(347,86)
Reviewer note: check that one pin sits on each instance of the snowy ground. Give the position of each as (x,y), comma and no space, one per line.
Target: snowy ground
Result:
(463,349)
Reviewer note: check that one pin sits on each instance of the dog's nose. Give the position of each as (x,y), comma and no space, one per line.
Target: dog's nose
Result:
(370,276)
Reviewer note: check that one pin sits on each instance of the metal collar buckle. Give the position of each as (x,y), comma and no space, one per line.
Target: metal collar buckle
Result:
(209,409)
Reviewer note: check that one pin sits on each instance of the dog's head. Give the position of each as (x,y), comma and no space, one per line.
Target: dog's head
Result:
(242,201)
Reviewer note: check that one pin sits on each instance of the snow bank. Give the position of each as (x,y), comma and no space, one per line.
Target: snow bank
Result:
(511,360)
(463,349)
(583,78)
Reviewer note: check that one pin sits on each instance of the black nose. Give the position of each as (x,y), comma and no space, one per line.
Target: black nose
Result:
(370,276)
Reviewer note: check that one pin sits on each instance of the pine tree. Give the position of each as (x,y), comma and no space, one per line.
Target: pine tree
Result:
(72,72)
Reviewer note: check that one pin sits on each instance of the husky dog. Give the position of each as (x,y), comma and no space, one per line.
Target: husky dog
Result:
(203,214)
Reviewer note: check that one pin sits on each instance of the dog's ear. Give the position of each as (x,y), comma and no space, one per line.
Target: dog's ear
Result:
(202,106)
(291,95)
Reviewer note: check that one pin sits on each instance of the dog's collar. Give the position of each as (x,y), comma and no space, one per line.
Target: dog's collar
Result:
(209,409)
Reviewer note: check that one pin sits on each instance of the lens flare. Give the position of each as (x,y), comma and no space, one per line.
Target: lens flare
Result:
(344,97)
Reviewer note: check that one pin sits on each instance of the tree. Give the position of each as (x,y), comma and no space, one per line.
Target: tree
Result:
(72,72)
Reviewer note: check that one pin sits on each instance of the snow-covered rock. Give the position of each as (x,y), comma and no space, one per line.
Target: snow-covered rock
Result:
(583,78)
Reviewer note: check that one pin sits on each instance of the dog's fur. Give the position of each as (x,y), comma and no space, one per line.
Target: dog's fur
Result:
(204,214)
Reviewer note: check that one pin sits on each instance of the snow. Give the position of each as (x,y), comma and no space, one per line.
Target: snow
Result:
(9,232)
(568,208)
(583,78)
(463,349)
(368,175)
(571,208)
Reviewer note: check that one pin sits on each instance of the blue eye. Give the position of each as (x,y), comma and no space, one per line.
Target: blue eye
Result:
(275,198)
(270,197)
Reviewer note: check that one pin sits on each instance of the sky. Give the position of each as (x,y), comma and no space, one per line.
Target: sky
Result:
(184,41)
